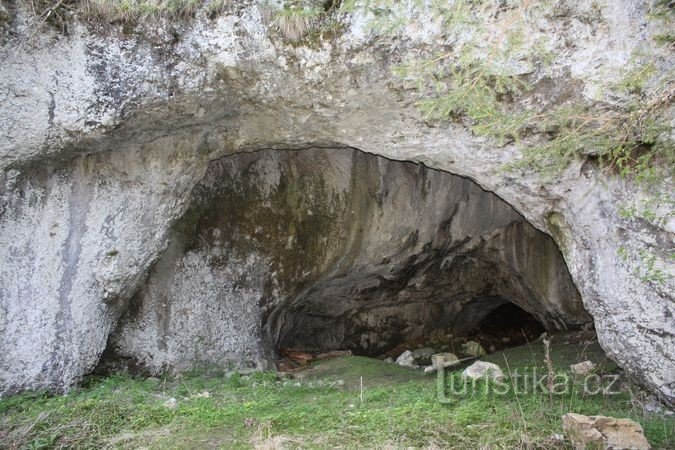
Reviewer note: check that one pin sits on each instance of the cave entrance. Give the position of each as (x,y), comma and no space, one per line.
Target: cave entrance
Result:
(320,250)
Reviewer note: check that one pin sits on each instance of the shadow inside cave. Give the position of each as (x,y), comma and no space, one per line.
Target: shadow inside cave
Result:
(321,250)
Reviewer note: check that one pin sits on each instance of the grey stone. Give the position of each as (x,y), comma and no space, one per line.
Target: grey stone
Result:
(423,355)
(430,369)
(473,348)
(406,359)
(483,369)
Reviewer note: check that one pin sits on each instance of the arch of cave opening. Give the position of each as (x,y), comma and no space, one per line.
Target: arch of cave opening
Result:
(319,250)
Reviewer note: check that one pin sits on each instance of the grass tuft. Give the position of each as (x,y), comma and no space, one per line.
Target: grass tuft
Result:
(57,12)
(295,23)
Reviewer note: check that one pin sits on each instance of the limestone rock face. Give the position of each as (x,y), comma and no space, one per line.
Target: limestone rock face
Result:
(70,233)
(105,136)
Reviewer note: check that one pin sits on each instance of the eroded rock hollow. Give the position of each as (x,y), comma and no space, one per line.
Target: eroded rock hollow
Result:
(328,249)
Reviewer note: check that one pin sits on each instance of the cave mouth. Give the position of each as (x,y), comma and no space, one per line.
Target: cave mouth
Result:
(321,250)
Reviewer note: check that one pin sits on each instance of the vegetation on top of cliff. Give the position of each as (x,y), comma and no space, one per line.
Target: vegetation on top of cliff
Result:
(57,12)
(295,22)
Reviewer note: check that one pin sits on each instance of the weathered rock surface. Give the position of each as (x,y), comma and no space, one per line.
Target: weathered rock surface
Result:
(104,134)
(600,432)
(71,233)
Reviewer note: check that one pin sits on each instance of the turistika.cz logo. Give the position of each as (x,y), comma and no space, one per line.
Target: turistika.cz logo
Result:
(527,382)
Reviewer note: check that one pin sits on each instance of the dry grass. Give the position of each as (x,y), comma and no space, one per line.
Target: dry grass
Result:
(123,11)
(296,23)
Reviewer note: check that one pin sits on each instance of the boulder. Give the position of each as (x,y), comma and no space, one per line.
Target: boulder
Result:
(586,432)
(443,360)
(406,359)
(483,369)
(583,368)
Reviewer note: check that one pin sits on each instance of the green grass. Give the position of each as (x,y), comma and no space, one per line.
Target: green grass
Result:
(320,407)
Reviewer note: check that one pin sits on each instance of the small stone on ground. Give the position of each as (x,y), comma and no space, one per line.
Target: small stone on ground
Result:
(406,359)
(583,368)
(482,369)
(473,348)
(423,355)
